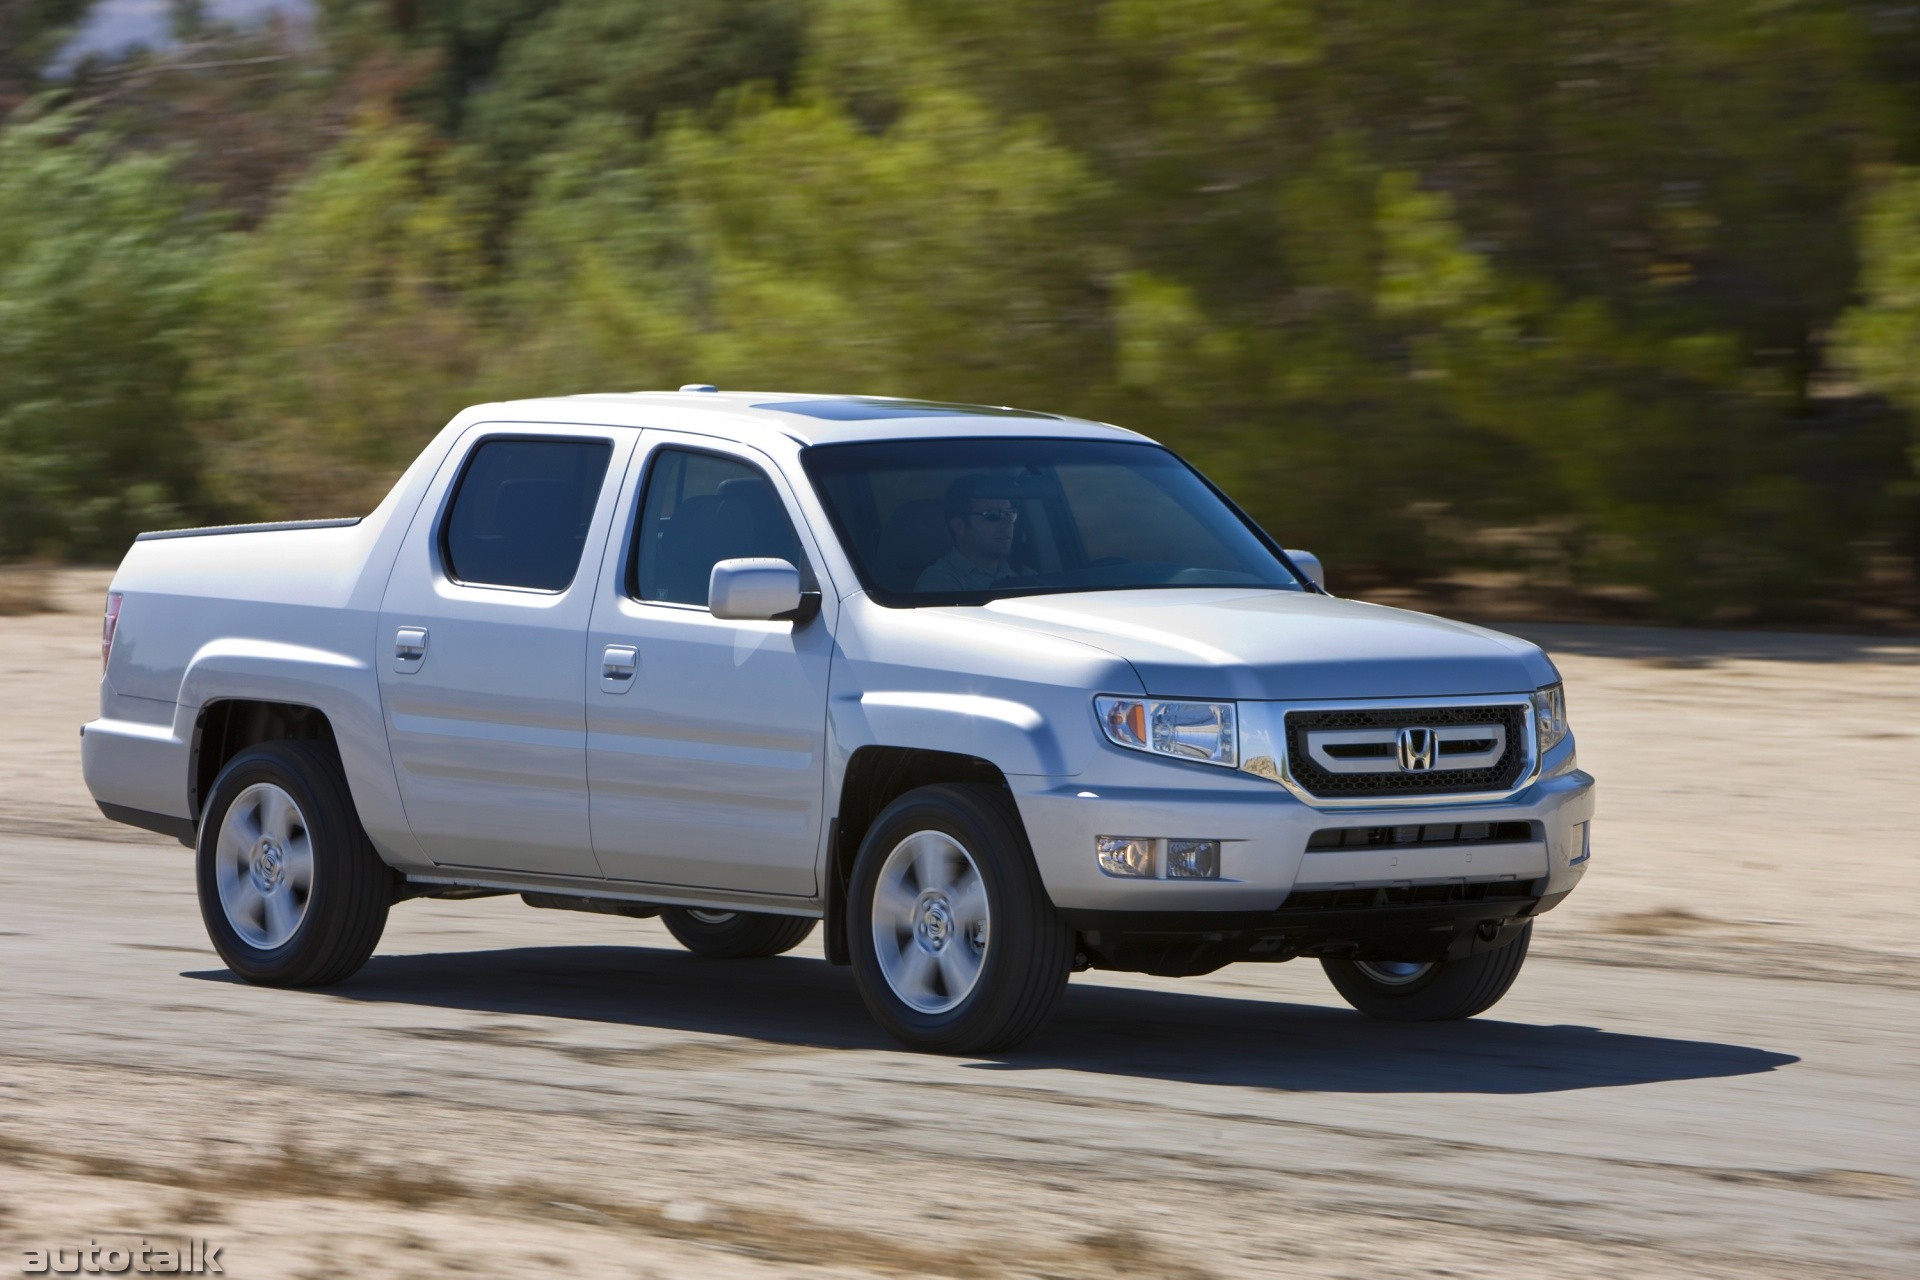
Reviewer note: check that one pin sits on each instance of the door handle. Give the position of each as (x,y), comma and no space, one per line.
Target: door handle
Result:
(409,648)
(617,667)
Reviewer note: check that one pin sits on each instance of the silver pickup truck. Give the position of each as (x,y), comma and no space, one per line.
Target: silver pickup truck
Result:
(997,694)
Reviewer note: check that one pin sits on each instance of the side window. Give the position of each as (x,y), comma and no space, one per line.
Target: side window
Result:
(700,509)
(520,512)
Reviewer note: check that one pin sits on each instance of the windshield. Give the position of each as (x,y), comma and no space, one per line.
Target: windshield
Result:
(966,521)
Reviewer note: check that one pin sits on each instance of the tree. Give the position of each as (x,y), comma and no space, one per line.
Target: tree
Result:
(341,335)
(102,279)
(31,32)
(1881,335)
(789,246)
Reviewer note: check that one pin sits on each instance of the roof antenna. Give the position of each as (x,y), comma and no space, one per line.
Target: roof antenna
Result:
(699,386)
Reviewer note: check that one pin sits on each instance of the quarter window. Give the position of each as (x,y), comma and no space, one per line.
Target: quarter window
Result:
(521,511)
(701,509)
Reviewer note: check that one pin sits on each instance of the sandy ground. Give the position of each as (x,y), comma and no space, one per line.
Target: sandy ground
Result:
(1706,1070)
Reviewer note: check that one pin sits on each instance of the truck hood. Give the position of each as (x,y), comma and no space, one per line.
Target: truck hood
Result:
(1281,645)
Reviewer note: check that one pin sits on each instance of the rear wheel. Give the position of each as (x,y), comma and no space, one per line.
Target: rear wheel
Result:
(735,935)
(956,947)
(291,890)
(1429,991)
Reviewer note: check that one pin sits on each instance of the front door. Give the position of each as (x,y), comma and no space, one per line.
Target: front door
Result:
(705,735)
(482,647)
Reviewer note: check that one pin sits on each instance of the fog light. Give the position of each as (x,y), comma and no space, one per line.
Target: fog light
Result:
(1582,844)
(1193,859)
(1125,855)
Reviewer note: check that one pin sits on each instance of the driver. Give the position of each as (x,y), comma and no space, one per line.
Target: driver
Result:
(980,518)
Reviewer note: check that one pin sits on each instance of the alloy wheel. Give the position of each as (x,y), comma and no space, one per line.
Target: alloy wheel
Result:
(931,923)
(263,866)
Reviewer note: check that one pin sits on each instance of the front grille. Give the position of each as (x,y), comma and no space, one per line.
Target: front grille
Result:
(1389,779)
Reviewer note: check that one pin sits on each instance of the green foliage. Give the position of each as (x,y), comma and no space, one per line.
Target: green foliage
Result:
(102,277)
(633,59)
(599,273)
(936,255)
(1493,286)
(1561,274)
(340,338)
(31,32)
(1881,336)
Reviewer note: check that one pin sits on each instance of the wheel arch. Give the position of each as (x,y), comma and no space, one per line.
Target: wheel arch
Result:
(277,689)
(876,776)
(227,726)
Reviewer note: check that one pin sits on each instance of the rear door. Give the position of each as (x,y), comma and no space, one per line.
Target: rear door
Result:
(705,735)
(482,651)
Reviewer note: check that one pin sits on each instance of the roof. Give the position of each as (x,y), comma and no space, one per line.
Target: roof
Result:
(807,419)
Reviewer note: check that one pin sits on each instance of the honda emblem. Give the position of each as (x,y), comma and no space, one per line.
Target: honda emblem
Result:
(1418,750)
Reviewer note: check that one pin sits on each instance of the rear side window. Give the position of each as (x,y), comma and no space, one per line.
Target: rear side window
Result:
(521,510)
(701,509)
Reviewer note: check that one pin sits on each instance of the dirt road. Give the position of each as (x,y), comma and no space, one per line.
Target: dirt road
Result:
(1707,1068)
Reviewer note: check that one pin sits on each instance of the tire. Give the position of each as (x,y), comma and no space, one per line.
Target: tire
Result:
(956,947)
(280,815)
(1442,991)
(735,935)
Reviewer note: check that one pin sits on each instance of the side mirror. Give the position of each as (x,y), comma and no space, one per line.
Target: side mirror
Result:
(756,589)
(1309,564)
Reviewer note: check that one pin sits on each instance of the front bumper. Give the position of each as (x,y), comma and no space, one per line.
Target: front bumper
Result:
(1265,830)
(1477,917)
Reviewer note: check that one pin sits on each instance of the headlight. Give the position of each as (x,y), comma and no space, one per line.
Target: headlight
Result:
(1550,717)
(1203,731)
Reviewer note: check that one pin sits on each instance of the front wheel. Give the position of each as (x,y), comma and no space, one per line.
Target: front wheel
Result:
(956,947)
(734,935)
(1429,991)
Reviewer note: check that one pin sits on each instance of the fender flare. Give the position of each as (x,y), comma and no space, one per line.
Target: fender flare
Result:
(339,686)
(1014,737)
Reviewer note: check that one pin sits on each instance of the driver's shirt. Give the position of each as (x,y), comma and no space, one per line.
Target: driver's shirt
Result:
(954,572)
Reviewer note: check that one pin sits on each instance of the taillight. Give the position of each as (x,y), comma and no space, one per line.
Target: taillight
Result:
(108,625)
